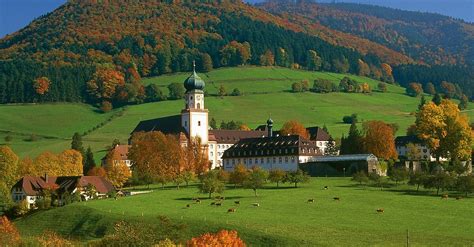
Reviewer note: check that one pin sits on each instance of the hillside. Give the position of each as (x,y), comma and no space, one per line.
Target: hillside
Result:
(284,217)
(265,93)
(149,38)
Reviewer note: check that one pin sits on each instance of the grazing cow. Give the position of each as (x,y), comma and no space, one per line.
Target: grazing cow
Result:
(310,200)
(445,196)
(231,210)
(218,204)
(256,204)
(326,187)
(380,210)
(213,203)
(458,197)
(237,202)
(337,199)
(188,205)
(198,200)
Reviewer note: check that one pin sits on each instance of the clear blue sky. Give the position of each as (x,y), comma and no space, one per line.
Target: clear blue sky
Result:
(16,14)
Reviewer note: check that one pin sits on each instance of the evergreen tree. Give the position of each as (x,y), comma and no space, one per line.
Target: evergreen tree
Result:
(422,102)
(89,162)
(463,103)
(213,123)
(353,143)
(437,99)
(325,129)
(76,143)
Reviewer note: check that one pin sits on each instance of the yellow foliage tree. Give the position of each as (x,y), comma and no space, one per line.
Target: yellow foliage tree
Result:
(445,130)
(8,166)
(67,163)
(116,172)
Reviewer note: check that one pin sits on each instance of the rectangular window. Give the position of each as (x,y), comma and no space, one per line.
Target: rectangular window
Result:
(199,123)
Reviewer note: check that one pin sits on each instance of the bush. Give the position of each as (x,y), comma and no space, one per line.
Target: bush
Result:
(236,92)
(21,208)
(350,119)
(8,138)
(106,106)
(50,238)
(382,87)
(9,235)
(360,177)
(222,238)
(324,86)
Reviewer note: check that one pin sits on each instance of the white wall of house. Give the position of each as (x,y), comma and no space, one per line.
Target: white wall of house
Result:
(425,152)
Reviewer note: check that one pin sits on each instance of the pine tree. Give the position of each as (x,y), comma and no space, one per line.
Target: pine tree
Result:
(422,102)
(89,162)
(353,143)
(437,99)
(76,143)
(213,123)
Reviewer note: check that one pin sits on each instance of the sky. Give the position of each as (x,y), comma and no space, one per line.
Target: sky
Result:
(16,14)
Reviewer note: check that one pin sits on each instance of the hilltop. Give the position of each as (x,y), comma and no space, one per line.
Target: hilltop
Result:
(266,92)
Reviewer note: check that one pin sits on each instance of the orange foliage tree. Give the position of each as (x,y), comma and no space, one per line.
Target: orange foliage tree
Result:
(294,127)
(9,235)
(41,85)
(222,238)
(105,83)
(116,172)
(52,239)
(156,155)
(97,171)
(379,140)
(267,58)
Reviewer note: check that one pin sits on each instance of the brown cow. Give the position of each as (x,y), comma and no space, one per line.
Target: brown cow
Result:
(337,199)
(445,196)
(459,197)
(218,204)
(231,210)
(198,200)
(237,202)
(310,200)
(380,210)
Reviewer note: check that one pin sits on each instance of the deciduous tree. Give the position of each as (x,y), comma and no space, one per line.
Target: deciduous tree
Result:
(256,179)
(9,235)
(9,168)
(360,177)
(277,176)
(430,88)
(379,140)
(210,183)
(296,177)
(238,175)
(41,85)
(414,89)
(222,238)
(105,83)
(294,127)
(313,61)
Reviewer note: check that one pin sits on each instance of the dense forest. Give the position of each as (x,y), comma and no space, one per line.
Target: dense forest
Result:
(97,51)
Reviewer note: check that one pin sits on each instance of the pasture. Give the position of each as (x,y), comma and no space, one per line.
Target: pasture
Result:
(265,94)
(284,217)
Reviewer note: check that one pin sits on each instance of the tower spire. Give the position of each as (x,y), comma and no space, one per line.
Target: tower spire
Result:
(194,66)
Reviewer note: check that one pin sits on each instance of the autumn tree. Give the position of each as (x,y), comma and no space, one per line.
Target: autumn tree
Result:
(70,163)
(105,84)
(341,65)
(256,179)
(313,61)
(50,238)
(205,64)
(235,53)
(413,152)
(277,176)
(222,238)
(210,183)
(194,157)
(8,166)
(386,72)
(379,140)
(294,127)
(382,87)
(282,58)
(414,89)
(9,235)
(41,85)
(362,68)
(97,171)
(444,130)
(221,91)
(429,88)
(448,89)
(161,156)
(117,173)
(106,106)
(296,177)
(238,175)
(267,58)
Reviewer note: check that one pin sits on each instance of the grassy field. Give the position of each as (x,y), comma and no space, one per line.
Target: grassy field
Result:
(266,93)
(284,217)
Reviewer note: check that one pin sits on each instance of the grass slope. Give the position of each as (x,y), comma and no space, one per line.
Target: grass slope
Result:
(284,217)
(266,93)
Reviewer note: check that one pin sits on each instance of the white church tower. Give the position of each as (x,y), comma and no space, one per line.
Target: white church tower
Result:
(194,116)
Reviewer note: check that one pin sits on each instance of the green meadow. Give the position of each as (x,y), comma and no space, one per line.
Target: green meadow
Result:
(266,93)
(284,217)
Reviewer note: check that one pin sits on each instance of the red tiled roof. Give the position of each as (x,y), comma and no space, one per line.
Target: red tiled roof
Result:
(101,184)
(33,186)
(122,151)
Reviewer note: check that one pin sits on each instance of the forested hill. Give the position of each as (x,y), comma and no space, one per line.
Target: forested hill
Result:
(426,37)
(93,41)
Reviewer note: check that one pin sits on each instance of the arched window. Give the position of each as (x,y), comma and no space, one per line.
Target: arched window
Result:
(199,105)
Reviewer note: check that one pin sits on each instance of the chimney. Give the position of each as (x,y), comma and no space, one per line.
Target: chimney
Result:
(270,127)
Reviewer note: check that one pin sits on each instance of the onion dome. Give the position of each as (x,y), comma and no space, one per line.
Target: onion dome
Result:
(269,121)
(194,82)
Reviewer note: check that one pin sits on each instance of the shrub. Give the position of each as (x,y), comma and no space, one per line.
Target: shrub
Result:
(324,86)
(9,235)
(21,208)
(296,177)
(350,119)
(360,177)
(382,87)
(8,138)
(236,92)
(106,106)
(414,89)
(52,239)
(222,238)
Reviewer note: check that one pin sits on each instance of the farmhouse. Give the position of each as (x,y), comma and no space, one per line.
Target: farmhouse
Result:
(119,156)
(31,188)
(422,152)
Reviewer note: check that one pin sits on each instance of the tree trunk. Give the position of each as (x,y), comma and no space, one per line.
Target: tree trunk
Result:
(437,190)
(418,188)
(187,183)
(255,191)
(296,185)
(278,184)
(210,195)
